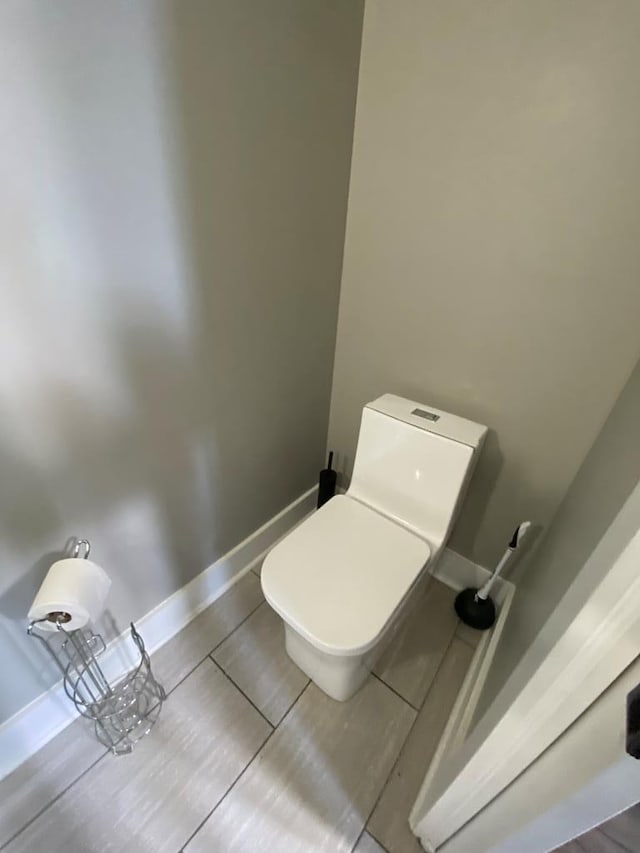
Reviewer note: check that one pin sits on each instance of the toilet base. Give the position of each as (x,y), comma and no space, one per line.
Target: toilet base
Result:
(338,676)
(341,676)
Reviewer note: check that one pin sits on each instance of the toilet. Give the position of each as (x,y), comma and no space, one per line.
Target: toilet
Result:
(344,578)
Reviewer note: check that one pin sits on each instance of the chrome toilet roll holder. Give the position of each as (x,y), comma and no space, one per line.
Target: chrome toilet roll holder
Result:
(123,712)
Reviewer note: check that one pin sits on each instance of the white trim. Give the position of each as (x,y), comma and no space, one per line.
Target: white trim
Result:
(580,781)
(593,634)
(479,669)
(33,726)
(459,573)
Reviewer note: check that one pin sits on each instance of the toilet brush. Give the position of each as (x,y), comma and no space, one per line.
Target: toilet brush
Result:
(327,483)
(474,606)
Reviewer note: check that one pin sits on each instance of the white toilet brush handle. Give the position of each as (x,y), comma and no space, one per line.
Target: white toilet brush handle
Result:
(484,591)
(518,535)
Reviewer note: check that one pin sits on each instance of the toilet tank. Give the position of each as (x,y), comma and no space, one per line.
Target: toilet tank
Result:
(413,464)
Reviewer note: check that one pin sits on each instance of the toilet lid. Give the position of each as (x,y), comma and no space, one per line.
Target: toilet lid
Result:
(338,578)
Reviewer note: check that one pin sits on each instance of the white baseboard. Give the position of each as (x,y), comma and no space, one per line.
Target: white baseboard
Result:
(37,723)
(459,573)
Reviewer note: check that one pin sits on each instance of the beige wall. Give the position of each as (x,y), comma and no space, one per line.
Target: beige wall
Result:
(603,483)
(174,179)
(492,259)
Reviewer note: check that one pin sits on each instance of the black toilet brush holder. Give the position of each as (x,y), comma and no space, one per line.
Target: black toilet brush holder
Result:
(475,606)
(327,483)
(479,613)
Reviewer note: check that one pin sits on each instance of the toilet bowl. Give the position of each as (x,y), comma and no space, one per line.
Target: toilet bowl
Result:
(343,580)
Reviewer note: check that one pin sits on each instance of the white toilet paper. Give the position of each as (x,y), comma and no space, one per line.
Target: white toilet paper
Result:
(74,586)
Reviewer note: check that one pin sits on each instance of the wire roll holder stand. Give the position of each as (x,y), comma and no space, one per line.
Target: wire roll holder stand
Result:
(123,712)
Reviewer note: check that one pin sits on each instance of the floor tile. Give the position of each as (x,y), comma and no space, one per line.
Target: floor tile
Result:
(185,651)
(595,841)
(254,657)
(625,828)
(620,834)
(153,799)
(412,660)
(32,786)
(368,844)
(469,635)
(389,822)
(316,779)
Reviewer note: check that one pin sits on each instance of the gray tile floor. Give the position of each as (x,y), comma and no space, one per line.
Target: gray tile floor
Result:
(620,834)
(248,755)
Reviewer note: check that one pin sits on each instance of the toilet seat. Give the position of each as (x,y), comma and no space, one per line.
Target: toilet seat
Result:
(339,577)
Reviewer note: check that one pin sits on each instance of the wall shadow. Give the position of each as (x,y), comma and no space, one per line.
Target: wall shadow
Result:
(188,401)
(178,386)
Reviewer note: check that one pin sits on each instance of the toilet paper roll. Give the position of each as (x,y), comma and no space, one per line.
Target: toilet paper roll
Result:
(75,587)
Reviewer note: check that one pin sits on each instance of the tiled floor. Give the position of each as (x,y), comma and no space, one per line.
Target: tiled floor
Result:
(621,834)
(248,755)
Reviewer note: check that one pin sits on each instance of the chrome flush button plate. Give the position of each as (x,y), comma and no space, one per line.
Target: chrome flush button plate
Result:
(428,416)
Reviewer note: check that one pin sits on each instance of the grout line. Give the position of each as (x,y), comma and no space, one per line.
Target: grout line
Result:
(237,686)
(379,842)
(358,839)
(214,649)
(294,702)
(233,630)
(106,752)
(368,831)
(84,772)
(229,789)
(466,643)
(243,771)
(54,800)
(435,675)
(169,692)
(462,637)
(404,743)
(393,690)
(439,667)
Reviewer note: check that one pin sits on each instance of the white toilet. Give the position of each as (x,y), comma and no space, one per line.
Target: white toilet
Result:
(343,579)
